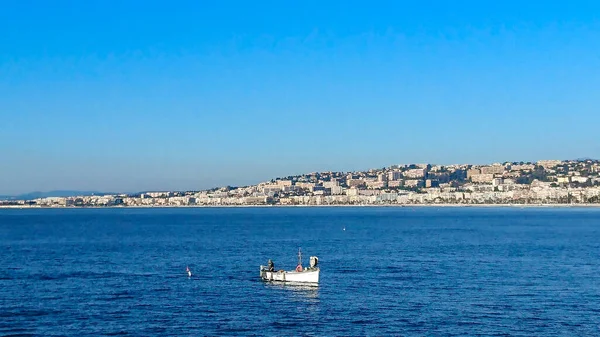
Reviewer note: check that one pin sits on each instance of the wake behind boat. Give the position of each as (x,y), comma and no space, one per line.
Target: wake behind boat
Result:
(309,275)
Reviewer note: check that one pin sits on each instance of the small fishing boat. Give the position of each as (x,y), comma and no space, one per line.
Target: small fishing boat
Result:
(309,275)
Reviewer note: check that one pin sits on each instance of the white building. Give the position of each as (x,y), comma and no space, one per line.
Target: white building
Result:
(415,173)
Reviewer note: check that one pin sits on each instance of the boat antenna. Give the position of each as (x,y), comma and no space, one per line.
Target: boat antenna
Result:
(299,256)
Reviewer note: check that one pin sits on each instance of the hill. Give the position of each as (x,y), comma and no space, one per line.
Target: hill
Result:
(58,193)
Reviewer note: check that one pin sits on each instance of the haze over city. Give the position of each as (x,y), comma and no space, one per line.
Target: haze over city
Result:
(137,97)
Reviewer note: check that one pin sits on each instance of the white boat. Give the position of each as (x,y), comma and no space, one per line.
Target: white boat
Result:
(309,275)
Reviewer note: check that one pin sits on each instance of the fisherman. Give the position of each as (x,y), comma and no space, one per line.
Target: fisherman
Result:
(271,265)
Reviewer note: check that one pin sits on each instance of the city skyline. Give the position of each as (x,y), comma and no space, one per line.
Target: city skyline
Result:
(73,192)
(546,182)
(132,98)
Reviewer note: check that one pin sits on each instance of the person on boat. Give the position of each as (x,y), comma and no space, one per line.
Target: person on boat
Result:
(271,265)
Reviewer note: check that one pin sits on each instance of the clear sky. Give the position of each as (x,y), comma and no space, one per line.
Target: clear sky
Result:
(145,95)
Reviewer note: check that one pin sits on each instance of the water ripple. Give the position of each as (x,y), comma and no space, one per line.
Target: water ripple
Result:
(392,272)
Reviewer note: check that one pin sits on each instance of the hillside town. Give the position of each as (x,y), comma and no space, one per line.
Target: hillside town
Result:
(546,182)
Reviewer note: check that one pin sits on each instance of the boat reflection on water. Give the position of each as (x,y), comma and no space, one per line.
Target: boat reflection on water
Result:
(298,291)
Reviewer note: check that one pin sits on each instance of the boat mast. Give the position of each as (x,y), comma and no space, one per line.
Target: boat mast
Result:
(299,256)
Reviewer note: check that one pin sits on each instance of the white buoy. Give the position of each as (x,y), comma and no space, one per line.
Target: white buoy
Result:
(344,228)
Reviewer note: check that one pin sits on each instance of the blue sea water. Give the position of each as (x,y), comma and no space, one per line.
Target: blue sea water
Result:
(392,272)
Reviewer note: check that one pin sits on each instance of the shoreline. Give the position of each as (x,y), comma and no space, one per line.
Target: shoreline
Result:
(317,206)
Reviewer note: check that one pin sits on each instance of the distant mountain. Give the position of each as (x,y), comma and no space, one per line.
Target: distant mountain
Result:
(65,193)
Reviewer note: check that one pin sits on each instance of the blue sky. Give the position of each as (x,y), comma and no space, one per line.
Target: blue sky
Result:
(127,95)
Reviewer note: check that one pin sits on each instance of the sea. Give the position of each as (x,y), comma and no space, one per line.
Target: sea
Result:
(385,271)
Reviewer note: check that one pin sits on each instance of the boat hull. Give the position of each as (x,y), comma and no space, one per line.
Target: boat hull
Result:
(308,276)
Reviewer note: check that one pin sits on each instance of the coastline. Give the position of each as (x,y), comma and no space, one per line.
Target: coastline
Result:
(317,206)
